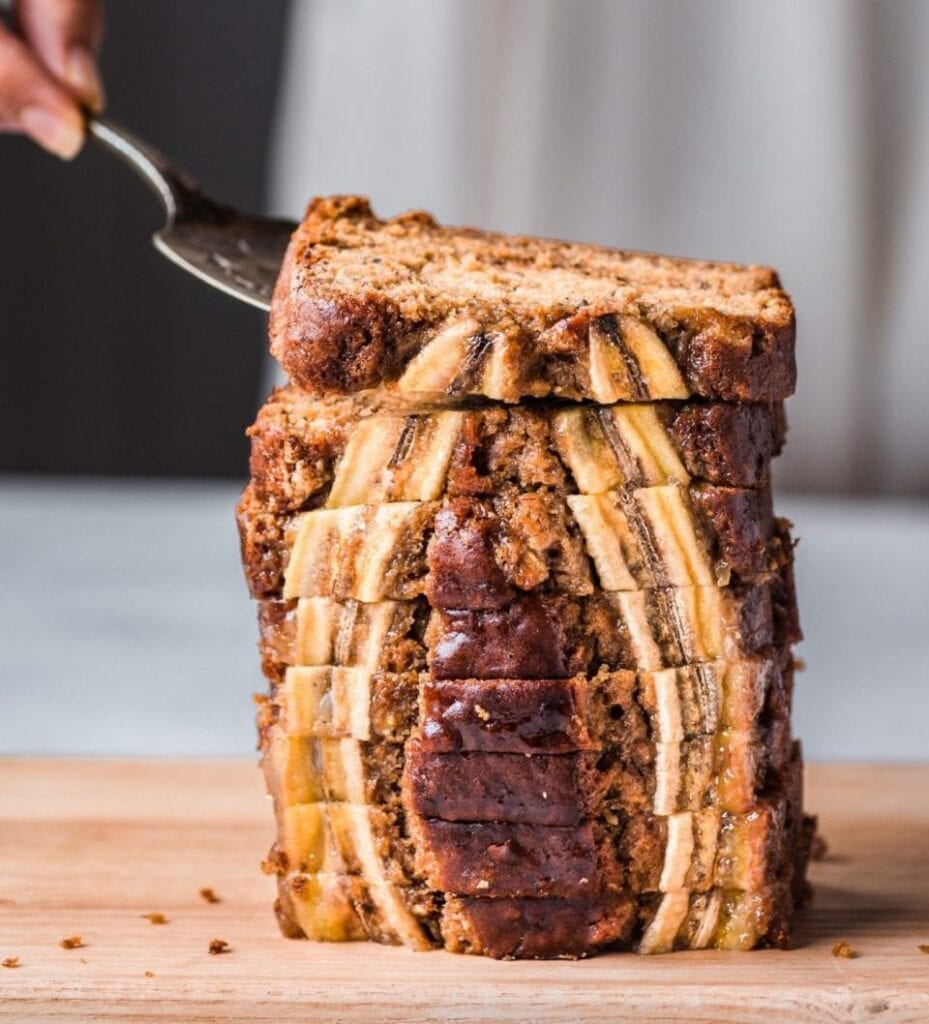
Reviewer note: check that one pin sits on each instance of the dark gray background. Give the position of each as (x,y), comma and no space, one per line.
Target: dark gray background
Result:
(111,360)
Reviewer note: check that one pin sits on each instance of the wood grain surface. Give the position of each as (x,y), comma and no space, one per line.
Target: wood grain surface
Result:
(89,847)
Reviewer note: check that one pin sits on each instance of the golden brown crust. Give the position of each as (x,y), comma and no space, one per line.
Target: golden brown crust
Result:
(358,298)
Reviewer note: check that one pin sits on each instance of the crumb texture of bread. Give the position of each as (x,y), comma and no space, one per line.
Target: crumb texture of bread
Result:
(363,302)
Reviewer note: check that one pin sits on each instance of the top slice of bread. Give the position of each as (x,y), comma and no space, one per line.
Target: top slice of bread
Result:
(362,302)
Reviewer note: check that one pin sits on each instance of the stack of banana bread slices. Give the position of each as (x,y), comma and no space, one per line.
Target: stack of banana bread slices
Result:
(525,610)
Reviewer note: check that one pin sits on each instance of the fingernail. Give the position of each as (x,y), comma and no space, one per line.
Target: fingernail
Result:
(58,133)
(82,76)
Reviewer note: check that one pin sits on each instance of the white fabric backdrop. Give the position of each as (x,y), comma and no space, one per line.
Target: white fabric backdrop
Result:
(793,133)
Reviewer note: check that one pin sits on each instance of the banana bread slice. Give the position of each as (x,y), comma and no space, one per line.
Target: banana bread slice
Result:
(312,452)
(481,552)
(694,851)
(564,928)
(440,310)
(542,636)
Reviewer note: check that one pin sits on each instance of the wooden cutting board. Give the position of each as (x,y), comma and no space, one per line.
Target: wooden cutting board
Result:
(88,847)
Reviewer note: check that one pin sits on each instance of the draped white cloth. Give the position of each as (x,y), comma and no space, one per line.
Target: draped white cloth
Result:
(793,133)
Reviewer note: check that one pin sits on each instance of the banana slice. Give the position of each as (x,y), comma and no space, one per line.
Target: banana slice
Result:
(315,555)
(337,702)
(727,770)
(678,852)
(323,905)
(704,621)
(621,446)
(724,918)
(708,849)
(746,917)
(335,830)
(326,702)
(702,700)
(396,458)
(419,470)
(680,625)
(627,361)
(342,633)
(635,609)
(362,633)
(361,475)
(317,624)
(302,770)
(287,762)
(581,442)
(346,551)
(437,365)
(614,373)
(376,538)
(344,839)
(684,775)
(646,460)
(639,431)
(500,378)
(690,851)
(648,538)
(682,556)
(304,840)
(657,369)
(610,540)
(683,702)
(668,778)
(702,919)
(386,896)
(662,931)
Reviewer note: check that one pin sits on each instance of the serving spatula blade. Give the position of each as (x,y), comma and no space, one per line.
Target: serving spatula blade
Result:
(238,253)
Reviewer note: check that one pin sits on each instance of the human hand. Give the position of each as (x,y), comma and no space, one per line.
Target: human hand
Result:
(48,70)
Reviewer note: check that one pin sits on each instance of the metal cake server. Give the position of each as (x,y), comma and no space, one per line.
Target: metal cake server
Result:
(236,252)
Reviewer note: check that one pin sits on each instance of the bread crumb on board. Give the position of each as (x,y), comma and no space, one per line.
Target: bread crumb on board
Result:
(923,947)
(209,896)
(72,942)
(843,949)
(218,946)
(155,918)
(149,974)
(10,961)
